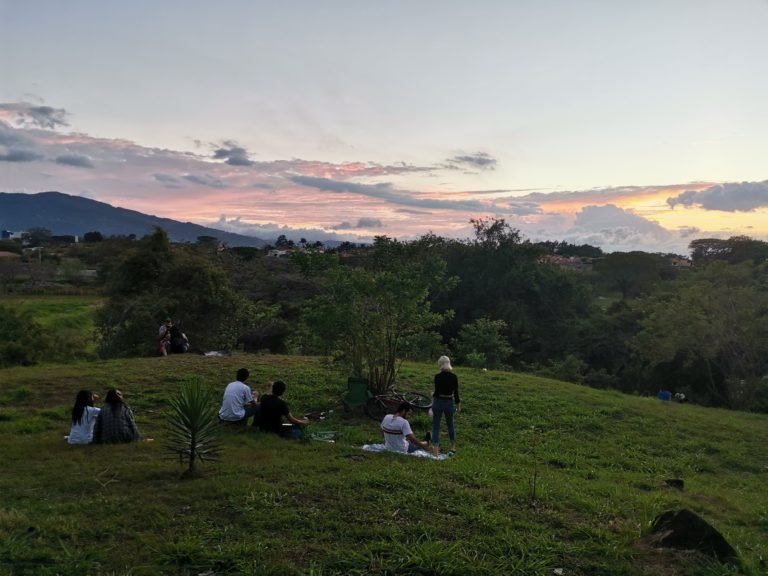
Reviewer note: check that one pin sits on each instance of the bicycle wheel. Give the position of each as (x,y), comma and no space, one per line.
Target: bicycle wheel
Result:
(376,408)
(417,400)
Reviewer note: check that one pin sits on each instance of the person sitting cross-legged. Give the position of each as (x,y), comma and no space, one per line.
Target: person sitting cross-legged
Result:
(238,403)
(274,408)
(398,436)
(115,423)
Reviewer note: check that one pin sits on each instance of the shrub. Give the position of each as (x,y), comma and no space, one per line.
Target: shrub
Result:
(194,426)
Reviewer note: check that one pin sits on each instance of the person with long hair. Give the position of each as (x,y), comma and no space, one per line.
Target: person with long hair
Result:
(84,416)
(114,423)
(445,402)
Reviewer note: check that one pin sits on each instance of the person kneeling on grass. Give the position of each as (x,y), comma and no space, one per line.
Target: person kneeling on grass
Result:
(398,436)
(274,408)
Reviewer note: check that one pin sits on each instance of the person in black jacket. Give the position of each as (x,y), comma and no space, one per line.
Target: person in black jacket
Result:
(445,401)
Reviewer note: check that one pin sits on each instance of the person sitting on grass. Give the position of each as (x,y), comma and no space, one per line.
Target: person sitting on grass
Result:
(84,415)
(164,333)
(179,340)
(274,408)
(398,436)
(239,402)
(115,424)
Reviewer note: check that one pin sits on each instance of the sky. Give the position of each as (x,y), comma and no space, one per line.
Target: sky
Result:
(622,124)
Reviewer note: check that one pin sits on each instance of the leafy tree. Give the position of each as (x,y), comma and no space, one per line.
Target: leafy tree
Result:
(369,313)
(567,249)
(37,236)
(283,242)
(717,317)
(632,273)
(503,277)
(734,250)
(22,340)
(91,237)
(194,426)
(153,281)
(483,340)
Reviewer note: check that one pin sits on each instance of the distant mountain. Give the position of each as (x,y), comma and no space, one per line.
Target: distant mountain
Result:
(64,214)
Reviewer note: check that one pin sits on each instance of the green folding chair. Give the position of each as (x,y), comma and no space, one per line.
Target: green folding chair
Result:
(357,394)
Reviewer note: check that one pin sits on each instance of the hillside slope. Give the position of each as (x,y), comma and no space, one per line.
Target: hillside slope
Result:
(73,215)
(595,461)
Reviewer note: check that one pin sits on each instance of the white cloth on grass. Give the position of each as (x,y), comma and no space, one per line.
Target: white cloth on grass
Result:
(417,453)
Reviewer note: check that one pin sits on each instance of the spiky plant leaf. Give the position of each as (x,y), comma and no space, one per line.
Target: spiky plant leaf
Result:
(193,425)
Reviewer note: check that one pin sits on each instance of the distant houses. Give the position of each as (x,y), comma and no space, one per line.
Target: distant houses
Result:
(577,263)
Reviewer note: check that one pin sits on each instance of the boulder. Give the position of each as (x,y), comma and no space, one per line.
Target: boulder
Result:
(685,530)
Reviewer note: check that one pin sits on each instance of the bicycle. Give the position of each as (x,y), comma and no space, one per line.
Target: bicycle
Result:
(379,405)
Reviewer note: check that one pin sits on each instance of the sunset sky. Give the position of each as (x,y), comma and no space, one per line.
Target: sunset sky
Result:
(623,124)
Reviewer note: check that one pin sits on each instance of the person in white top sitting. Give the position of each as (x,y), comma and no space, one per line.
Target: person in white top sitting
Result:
(83,418)
(239,402)
(398,435)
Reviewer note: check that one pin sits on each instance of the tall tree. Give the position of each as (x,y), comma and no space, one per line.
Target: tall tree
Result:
(717,316)
(368,313)
(631,273)
(153,281)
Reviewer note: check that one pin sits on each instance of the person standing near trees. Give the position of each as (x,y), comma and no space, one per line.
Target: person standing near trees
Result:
(445,401)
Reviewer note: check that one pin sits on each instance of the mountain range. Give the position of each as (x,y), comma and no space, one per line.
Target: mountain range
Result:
(64,214)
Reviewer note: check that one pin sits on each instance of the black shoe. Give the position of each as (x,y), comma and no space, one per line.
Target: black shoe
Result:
(428,436)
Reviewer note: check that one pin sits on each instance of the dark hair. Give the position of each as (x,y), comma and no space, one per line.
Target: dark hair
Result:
(84,398)
(113,398)
(404,407)
(278,387)
(242,374)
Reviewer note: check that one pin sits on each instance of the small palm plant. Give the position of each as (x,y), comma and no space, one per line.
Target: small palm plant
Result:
(193,426)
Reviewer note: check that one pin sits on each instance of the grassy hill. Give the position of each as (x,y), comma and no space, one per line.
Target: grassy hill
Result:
(599,460)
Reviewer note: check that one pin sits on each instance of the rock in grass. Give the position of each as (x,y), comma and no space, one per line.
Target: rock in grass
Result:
(685,530)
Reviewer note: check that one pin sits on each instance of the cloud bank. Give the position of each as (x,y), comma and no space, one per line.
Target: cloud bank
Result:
(343,200)
(732,197)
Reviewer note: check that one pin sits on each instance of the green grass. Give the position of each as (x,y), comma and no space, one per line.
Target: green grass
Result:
(69,318)
(58,312)
(281,507)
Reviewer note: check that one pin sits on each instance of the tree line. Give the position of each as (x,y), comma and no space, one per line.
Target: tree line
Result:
(630,321)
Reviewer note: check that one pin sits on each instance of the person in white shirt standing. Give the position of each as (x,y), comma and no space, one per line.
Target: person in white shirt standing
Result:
(398,436)
(239,402)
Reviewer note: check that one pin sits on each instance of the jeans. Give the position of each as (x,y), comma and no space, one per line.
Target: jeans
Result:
(442,406)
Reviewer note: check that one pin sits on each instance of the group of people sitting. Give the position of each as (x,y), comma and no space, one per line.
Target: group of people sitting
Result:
(267,411)
(171,339)
(114,423)
(111,424)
